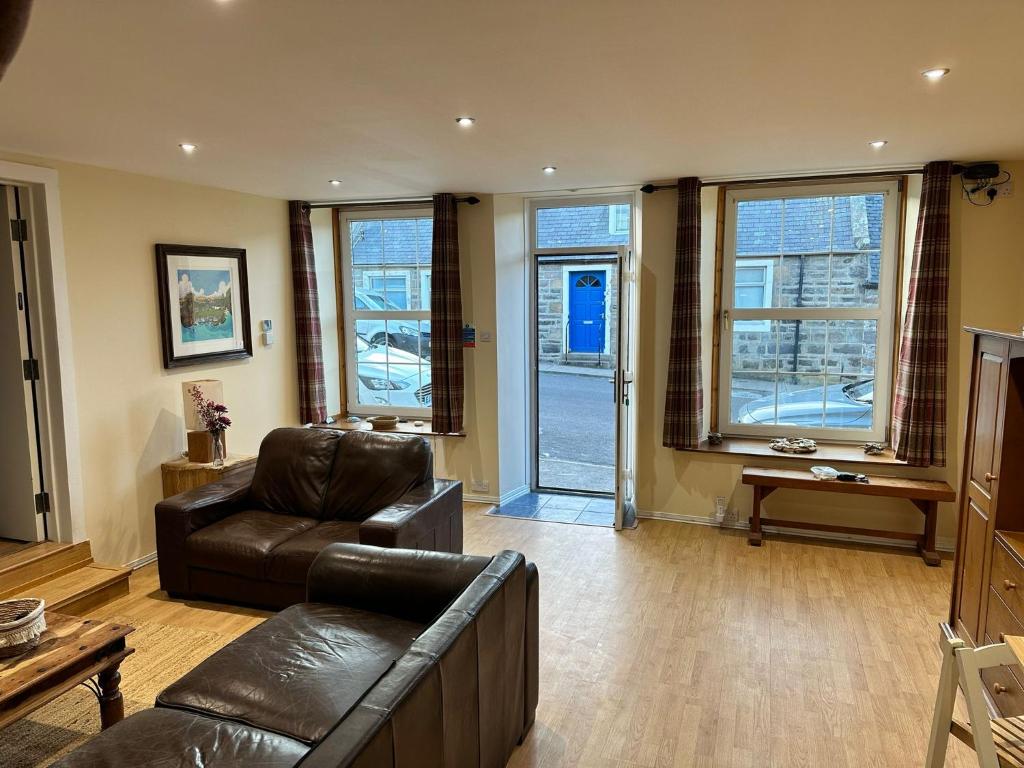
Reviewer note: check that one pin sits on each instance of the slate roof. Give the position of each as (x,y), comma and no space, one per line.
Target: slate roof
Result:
(810,227)
(391,241)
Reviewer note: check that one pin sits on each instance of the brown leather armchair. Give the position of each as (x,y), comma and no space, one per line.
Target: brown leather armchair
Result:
(251,538)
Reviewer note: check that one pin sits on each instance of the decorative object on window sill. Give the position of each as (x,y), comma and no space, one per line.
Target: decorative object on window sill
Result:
(22,622)
(204,304)
(825,473)
(714,438)
(213,416)
(383,422)
(874,449)
(793,445)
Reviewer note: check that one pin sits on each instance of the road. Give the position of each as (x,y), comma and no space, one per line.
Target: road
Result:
(577,432)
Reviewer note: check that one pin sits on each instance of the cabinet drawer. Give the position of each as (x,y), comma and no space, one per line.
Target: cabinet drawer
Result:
(1002,682)
(1008,580)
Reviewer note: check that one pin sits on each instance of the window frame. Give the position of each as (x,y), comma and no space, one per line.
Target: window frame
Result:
(883,315)
(351,315)
(760,326)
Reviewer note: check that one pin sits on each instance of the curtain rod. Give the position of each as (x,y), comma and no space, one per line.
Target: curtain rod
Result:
(389,203)
(649,188)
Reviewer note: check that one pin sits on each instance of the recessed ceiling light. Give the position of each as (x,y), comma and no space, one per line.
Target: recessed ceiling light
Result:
(878,143)
(187,148)
(465,121)
(335,182)
(549,169)
(936,74)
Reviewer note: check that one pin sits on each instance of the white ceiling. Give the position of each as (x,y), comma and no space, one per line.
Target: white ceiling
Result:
(282,95)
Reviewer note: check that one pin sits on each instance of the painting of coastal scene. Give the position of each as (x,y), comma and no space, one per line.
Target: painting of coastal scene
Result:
(204,301)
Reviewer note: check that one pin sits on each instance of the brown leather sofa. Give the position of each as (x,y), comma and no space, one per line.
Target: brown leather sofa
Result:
(252,537)
(400,659)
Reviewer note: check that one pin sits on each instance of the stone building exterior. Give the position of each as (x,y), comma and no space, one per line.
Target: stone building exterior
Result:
(561,279)
(801,253)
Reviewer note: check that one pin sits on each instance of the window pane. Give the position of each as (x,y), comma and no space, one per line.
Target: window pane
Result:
(803,281)
(854,280)
(802,346)
(754,345)
(752,398)
(750,275)
(801,400)
(371,354)
(750,296)
(852,345)
(758,227)
(850,402)
(858,222)
(365,241)
(581,226)
(807,225)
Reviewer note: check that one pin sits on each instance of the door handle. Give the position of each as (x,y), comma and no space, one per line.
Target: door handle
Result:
(989,477)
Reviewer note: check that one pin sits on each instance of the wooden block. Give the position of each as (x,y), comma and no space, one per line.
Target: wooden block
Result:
(200,447)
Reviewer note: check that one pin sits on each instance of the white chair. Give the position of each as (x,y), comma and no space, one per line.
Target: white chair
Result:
(998,742)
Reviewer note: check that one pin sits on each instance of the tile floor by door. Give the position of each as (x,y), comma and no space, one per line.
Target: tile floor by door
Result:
(560,508)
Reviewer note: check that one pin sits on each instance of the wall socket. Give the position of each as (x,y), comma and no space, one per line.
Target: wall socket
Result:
(480,486)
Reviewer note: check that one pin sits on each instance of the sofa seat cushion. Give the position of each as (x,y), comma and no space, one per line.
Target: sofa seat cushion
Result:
(299,672)
(289,562)
(159,738)
(241,543)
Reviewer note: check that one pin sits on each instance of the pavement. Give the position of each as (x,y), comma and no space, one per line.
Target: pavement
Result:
(576,420)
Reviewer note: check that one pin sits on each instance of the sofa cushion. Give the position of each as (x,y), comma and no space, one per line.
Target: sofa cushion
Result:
(292,470)
(374,469)
(289,562)
(299,672)
(241,543)
(160,738)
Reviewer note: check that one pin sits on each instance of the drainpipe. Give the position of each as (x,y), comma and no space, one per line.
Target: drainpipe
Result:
(799,303)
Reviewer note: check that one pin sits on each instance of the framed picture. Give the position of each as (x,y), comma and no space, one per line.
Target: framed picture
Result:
(204,304)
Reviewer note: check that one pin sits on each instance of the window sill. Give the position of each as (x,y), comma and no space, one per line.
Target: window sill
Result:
(751,446)
(403,428)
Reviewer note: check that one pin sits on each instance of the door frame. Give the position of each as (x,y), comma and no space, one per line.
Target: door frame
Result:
(58,405)
(603,255)
(567,269)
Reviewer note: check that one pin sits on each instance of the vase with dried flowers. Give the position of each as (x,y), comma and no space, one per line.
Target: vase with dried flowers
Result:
(214,417)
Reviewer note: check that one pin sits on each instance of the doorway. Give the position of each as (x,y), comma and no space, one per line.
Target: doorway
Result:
(575,308)
(21,456)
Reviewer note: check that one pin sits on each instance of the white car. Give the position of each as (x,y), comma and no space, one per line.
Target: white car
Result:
(404,335)
(391,376)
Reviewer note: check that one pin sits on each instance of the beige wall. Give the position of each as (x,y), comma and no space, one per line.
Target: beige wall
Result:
(986,289)
(130,408)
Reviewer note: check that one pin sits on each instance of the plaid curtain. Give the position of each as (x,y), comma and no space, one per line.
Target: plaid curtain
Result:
(684,395)
(919,410)
(446,372)
(308,341)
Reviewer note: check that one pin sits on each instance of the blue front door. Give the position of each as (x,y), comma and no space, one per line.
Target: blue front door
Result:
(586,311)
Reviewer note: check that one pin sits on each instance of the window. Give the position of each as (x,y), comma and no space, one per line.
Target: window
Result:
(618,219)
(386,274)
(807,299)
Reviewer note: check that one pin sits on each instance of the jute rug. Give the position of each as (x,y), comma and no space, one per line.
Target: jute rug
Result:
(162,655)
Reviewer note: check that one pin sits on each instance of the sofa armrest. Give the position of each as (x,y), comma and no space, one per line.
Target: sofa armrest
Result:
(179,516)
(416,585)
(427,517)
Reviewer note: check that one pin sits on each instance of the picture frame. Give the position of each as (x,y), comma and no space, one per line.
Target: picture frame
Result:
(203,295)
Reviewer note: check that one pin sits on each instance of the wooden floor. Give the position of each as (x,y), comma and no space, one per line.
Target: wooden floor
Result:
(9,547)
(679,645)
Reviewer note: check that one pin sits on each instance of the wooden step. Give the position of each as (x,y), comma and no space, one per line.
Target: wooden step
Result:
(39,563)
(81,590)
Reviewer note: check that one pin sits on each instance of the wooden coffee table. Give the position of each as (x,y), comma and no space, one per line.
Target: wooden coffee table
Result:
(71,652)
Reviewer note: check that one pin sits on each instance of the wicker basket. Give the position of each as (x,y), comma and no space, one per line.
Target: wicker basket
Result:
(21,624)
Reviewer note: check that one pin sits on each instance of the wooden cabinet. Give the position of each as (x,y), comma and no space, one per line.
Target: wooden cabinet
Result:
(988,576)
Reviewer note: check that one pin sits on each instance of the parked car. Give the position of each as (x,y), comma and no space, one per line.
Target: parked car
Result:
(403,335)
(845,406)
(390,376)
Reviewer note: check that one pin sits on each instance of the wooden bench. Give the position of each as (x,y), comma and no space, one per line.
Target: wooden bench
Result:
(924,494)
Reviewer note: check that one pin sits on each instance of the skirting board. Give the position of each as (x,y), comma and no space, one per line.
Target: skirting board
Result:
(144,560)
(505,497)
(942,544)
